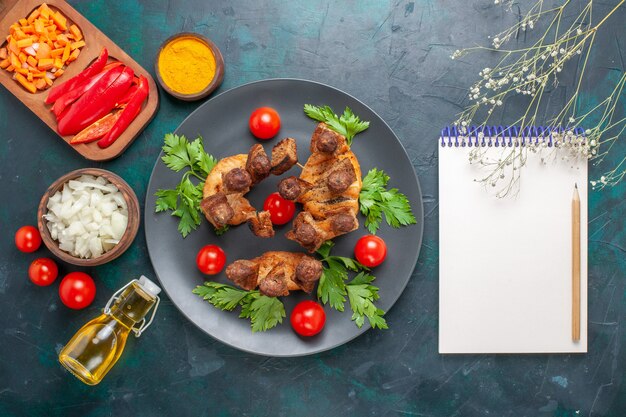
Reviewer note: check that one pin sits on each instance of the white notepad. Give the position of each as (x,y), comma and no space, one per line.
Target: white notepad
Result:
(505,264)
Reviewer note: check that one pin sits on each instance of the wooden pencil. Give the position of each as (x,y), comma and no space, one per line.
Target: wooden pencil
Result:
(576,265)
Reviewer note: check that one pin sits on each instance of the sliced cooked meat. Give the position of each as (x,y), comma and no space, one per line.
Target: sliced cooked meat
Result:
(261,224)
(309,269)
(341,177)
(291,188)
(284,156)
(325,140)
(343,223)
(238,180)
(243,273)
(276,273)
(258,164)
(275,283)
(232,177)
(217,210)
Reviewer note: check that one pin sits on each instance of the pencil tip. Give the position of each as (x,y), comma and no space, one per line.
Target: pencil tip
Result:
(576,185)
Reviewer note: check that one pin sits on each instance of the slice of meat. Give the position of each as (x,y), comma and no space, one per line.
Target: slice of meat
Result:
(276,273)
(237,180)
(284,156)
(291,188)
(261,224)
(327,141)
(217,210)
(258,164)
(243,273)
(232,177)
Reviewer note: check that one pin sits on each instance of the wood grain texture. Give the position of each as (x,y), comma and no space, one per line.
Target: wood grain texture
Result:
(95,40)
(134,217)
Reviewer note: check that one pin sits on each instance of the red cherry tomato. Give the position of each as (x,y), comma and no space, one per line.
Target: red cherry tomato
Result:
(27,239)
(211,259)
(43,271)
(264,122)
(308,318)
(370,250)
(281,210)
(77,290)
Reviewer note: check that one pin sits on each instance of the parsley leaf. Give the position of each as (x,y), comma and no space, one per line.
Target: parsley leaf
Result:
(184,200)
(333,288)
(362,296)
(347,125)
(376,200)
(264,312)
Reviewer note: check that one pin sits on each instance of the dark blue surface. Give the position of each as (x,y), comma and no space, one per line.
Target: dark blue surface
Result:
(394,56)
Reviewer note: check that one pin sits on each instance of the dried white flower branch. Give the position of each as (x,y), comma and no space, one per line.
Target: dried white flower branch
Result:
(527,72)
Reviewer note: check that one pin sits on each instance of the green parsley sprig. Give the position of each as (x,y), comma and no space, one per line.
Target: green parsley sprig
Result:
(376,200)
(348,124)
(264,312)
(184,200)
(334,287)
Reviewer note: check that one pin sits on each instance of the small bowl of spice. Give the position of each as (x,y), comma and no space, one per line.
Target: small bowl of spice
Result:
(189,66)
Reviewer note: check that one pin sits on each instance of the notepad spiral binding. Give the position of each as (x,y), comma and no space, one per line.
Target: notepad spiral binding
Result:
(507,136)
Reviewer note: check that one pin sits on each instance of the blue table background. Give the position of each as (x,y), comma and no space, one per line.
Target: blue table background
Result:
(393,55)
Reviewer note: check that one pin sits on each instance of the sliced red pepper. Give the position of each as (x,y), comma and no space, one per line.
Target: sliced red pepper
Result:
(129,113)
(90,71)
(129,94)
(97,129)
(96,102)
(73,95)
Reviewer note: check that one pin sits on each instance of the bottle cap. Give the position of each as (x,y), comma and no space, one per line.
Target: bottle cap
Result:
(149,286)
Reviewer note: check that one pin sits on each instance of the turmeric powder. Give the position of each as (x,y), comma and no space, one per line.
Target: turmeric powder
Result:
(187,65)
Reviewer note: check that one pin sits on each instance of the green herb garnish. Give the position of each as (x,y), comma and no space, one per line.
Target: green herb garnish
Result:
(264,312)
(347,125)
(334,287)
(375,200)
(184,200)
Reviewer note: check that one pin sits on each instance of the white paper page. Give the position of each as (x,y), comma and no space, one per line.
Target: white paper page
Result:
(505,265)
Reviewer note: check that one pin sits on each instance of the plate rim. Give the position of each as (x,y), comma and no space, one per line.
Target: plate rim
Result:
(366,326)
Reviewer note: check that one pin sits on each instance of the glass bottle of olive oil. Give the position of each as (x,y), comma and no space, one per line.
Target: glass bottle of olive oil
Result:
(95,348)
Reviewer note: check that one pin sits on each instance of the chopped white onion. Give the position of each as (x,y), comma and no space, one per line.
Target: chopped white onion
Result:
(88,217)
(35,46)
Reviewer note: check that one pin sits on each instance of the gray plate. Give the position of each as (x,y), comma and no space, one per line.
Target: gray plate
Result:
(223,123)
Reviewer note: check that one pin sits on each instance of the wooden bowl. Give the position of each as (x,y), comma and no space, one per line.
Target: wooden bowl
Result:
(219,68)
(131,229)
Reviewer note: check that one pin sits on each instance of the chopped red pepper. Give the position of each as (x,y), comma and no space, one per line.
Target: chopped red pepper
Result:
(73,95)
(129,113)
(129,94)
(90,71)
(97,101)
(97,129)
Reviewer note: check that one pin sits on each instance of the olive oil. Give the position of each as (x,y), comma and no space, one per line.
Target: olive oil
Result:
(97,346)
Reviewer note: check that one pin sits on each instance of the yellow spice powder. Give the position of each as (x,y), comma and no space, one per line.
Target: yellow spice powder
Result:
(187,65)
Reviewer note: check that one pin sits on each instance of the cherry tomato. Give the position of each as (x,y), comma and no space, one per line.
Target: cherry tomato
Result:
(27,239)
(370,250)
(281,210)
(211,259)
(308,318)
(77,290)
(43,271)
(264,122)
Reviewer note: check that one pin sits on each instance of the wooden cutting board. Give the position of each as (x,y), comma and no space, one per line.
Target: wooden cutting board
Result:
(95,40)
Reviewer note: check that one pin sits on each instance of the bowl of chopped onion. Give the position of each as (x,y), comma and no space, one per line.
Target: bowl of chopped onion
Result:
(88,217)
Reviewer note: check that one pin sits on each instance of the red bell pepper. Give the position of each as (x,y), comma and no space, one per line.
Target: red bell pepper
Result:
(90,71)
(73,95)
(96,102)
(97,129)
(129,113)
(124,100)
